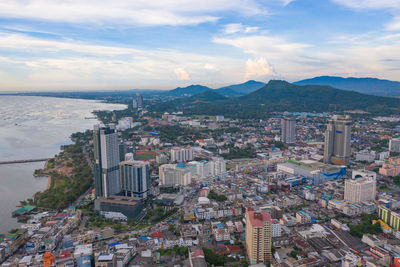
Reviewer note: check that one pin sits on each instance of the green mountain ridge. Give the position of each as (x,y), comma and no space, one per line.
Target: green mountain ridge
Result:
(279,96)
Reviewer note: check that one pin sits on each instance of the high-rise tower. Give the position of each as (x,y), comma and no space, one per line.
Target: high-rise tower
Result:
(337,140)
(258,236)
(106,154)
(135,178)
(288,131)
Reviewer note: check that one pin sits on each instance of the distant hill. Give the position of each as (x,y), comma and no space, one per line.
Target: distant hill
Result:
(244,88)
(188,90)
(206,97)
(279,96)
(370,86)
(228,92)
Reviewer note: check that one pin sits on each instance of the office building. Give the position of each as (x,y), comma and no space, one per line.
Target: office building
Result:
(134,103)
(135,178)
(258,236)
(181,154)
(288,131)
(131,207)
(337,140)
(359,190)
(140,102)
(394,145)
(107,158)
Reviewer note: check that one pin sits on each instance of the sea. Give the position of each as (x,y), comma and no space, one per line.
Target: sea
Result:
(34,127)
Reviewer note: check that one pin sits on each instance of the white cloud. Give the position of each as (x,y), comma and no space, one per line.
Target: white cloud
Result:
(258,68)
(373,55)
(264,45)
(30,63)
(211,67)
(370,4)
(394,25)
(142,12)
(239,28)
(181,74)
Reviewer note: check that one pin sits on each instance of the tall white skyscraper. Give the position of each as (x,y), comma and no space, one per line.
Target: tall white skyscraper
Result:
(288,131)
(360,189)
(106,154)
(337,140)
(135,178)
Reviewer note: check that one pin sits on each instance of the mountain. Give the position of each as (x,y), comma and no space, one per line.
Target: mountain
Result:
(279,96)
(244,88)
(228,92)
(370,86)
(188,91)
(201,99)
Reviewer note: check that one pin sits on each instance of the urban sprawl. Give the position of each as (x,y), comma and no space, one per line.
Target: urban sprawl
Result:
(296,189)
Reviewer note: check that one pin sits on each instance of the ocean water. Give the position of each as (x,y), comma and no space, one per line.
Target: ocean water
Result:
(35,127)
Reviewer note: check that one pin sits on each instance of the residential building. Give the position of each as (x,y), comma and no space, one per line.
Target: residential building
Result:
(288,131)
(181,154)
(219,118)
(394,145)
(337,140)
(107,158)
(106,260)
(258,236)
(276,228)
(176,176)
(391,167)
(135,178)
(390,217)
(359,190)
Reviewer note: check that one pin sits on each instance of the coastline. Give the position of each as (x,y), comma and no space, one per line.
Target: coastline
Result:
(44,175)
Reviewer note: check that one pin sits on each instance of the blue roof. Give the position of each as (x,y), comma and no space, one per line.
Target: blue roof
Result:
(113,244)
(181,165)
(337,202)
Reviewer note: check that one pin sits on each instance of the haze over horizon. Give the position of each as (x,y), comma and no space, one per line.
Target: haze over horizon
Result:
(98,45)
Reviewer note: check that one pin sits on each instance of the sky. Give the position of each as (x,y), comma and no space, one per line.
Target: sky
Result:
(60,45)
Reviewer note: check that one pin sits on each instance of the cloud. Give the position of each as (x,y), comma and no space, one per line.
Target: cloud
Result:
(211,67)
(369,4)
(258,68)
(137,12)
(239,28)
(264,45)
(181,74)
(31,63)
(394,25)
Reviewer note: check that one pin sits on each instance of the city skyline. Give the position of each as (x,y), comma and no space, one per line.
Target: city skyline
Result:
(162,45)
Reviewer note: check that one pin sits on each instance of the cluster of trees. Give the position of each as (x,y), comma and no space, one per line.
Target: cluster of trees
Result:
(238,153)
(64,190)
(217,197)
(159,214)
(366,227)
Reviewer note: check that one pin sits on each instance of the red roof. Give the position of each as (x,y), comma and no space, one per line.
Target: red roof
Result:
(257,219)
(65,254)
(234,248)
(198,253)
(158,234)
